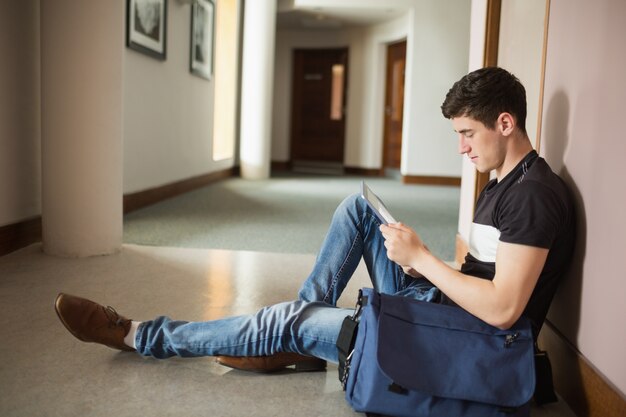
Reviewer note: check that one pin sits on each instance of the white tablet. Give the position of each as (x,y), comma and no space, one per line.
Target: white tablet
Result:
(376,204)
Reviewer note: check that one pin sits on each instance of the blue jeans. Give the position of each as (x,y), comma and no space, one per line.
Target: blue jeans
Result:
(309,325)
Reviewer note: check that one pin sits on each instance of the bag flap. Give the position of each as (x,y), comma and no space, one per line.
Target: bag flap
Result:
(446,352)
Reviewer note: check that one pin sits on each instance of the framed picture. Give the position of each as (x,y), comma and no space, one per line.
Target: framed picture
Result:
(202,38)
(146,26)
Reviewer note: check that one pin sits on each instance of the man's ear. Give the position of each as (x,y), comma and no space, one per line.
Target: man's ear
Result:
(506,123)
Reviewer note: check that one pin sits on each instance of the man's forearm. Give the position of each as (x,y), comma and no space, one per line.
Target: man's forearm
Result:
(476,295)
(500,301)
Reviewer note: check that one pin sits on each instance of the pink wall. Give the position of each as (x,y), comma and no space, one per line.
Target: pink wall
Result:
(583,138)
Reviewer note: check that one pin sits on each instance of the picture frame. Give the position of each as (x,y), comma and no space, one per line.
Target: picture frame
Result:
(202,38)
(146,27)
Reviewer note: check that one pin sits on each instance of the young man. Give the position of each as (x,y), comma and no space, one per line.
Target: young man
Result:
(524,224)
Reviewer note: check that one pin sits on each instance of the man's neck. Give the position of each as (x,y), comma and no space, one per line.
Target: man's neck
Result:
(519,147)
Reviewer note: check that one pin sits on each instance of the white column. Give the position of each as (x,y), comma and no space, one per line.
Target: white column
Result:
(82,50)
(256,88)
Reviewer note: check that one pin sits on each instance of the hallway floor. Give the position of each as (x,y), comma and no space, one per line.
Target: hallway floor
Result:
(46,372)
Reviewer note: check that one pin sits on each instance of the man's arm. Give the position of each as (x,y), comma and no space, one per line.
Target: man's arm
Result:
(499,302)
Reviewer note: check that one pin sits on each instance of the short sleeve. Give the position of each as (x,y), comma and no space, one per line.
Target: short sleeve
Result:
(529,214)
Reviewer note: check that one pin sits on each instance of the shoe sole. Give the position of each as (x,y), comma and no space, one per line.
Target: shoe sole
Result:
(313,365)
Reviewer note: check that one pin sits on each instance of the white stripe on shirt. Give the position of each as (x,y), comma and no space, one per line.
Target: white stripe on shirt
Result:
(484,242)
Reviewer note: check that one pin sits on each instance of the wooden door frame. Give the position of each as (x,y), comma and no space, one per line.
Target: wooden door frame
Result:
(490,59)
(385,149)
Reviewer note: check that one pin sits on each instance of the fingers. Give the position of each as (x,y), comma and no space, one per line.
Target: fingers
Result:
(393,225)
(393,228)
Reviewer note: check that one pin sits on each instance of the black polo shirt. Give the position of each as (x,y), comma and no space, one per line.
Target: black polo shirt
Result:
(530,206)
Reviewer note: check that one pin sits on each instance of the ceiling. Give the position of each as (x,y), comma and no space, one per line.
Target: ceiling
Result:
(337,14)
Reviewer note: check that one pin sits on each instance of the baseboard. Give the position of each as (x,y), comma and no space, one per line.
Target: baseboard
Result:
(145,198)
(281,166)
(585,390)
(317,167)
(431,180)
(18,235)
(363,172)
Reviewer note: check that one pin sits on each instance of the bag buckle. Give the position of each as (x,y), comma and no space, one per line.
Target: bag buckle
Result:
(510,338)
(359,306)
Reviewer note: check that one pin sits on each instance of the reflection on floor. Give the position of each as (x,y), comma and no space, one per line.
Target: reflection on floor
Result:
(46,372)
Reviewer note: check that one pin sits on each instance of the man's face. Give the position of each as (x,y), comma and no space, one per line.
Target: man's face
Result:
(485,147)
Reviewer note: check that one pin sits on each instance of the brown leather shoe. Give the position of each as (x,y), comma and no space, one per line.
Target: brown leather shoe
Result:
(273,363)
(92,322)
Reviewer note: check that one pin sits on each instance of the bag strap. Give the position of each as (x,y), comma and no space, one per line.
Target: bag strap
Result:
(347,338)
(544,388)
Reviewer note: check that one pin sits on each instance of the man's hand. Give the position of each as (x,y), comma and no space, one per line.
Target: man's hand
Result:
(404,246)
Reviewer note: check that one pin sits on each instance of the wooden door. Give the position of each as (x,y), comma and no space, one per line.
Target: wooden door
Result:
(394,105)
(318,121)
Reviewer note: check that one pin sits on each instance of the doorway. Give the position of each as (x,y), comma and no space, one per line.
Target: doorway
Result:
(394,107)
(318,122)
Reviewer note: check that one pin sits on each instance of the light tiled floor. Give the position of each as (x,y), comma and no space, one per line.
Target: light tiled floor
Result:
(46,372)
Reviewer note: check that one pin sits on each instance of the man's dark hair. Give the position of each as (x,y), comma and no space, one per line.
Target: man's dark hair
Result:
(484,94)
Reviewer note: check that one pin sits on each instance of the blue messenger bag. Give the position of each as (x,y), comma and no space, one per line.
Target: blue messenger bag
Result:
(414,358)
